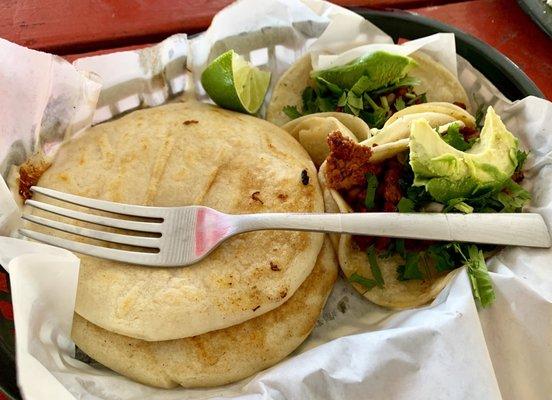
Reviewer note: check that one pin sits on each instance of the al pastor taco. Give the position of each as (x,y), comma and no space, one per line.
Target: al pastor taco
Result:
(433,168)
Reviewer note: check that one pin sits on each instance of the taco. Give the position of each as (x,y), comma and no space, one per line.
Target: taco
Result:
(453,167)
(372,87)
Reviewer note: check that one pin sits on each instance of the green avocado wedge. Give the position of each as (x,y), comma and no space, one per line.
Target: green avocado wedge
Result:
(448,173)
(381,68)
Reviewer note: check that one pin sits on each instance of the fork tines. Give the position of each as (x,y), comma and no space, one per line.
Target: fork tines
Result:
(98,251)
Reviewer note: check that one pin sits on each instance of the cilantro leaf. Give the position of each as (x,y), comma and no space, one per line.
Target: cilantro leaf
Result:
(384,103)
(405,205)
(371,186)
(422,98)
(521,157)
(371,102)
(367,283)
(325,104)
(374,267)
(418,195)
(361,85)
(480,116)
(372,106)
(309,96)
(410,269)
(374,119)
(354,100)
(480,279)
(399,104)
(458,204)
(402,82)
(440,256)
(291,112)
(332,87)
(389,251)
(463,207)
(513,197)
(342,101)
(455,139)
(400,247)
(351,110)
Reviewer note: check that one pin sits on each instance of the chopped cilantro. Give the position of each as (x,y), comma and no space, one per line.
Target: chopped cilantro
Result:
(521,157)
(354,101)
(422,98)
(418,195)
(371,102)
(374,119)
(325,104)
(439,254)
(405,205)
(374,267)
(332,87)
(373,106)
(371,186)
(384,102)
(291,112)
(463,207)
(513,197)
(403,82)
(309,100)
(399,104)
(480,279)
(458,204)
(361,85)
(342,101)
(410,269)
(480,115)
(389,251)
(400,248)
(367,283)
(455,139)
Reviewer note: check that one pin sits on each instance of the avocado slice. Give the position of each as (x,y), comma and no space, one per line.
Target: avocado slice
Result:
(448,173)
(381,68)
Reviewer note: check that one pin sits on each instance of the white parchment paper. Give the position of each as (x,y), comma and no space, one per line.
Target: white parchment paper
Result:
(446,350)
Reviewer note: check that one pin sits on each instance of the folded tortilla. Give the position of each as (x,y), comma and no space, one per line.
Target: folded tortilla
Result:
(392,140)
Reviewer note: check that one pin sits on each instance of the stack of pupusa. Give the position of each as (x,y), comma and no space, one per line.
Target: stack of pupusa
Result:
(250,302)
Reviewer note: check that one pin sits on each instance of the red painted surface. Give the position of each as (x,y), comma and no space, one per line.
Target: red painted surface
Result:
(63,26)
(6,309)
(500,23)
(503,25)
(67,26)
(107,25)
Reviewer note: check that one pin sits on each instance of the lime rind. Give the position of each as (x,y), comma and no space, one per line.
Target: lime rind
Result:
(235,84)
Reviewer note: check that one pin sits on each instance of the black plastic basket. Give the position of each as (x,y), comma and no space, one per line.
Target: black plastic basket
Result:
(500,70)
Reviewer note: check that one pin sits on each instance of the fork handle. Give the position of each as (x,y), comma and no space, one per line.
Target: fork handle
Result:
(526,229)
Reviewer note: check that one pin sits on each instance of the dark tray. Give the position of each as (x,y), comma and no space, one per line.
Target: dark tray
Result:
(540,13)
(502,72)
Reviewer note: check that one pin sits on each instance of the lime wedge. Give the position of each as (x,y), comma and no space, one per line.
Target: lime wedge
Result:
(234,83)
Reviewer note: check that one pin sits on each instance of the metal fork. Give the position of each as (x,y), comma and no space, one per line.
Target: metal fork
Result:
(188,234)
